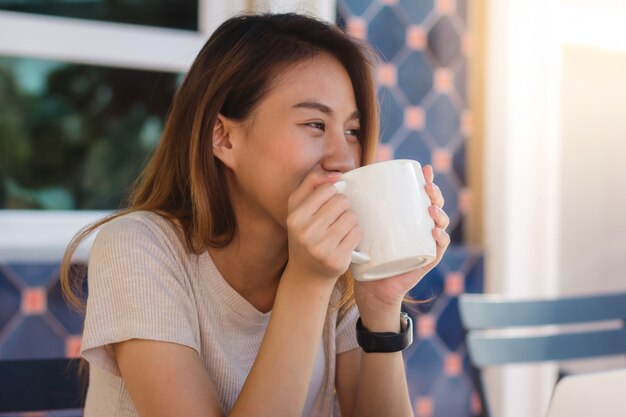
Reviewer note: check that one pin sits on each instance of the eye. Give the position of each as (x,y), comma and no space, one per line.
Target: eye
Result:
(317,125)
(353,133)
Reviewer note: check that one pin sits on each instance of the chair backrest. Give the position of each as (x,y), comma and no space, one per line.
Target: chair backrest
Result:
(483,314)
(487,312)
(39,385)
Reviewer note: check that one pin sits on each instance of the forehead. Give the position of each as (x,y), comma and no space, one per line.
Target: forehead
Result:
(322,78)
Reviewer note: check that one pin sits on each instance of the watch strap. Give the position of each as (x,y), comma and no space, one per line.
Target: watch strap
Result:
(385,342)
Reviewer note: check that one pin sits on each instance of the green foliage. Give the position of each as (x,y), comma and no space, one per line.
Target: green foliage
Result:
(79,139)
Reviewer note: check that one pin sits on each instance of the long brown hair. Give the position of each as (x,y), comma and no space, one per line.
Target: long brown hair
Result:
(183,181)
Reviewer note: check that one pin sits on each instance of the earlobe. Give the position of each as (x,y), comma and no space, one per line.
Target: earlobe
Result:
(222,140)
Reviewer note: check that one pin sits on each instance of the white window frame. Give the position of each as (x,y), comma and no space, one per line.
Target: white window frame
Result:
(41,236)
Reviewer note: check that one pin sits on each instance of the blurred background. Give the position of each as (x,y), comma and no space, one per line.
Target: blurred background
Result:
(518,105)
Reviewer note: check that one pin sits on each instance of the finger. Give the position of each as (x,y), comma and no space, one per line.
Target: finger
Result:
(342,226)
(309,184)
(434,192)
(330,212)
(429,173)
(442,238)
(300,216)
(439,216)
(334,245)
(351,240)
(341,255)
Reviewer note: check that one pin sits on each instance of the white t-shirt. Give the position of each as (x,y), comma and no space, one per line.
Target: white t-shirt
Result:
(144,284)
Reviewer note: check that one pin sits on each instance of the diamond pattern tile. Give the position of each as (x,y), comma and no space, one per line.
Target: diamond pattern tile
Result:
(474,277)
(386,33)
(71,320)
(444,42)
(443,120)
(391,114)
(427,358)
(449,325)
(417,10)
(413,147)
(453,397)
(457,259)
(415,77)
(33,338)
(357,7)
(35,275)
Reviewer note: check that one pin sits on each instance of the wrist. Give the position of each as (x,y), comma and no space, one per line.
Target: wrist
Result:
(381,318)
(307,283)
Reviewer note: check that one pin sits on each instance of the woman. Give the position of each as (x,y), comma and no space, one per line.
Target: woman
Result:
(222,289)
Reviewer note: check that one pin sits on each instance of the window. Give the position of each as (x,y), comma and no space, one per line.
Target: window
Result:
(75,136)
(179,14)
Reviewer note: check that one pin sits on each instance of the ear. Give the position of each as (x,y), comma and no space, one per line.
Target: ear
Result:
(223,136)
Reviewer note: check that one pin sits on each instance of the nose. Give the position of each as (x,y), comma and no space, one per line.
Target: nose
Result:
(339,154)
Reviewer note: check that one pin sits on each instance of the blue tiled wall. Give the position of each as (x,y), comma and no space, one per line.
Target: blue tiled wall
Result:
(35,322)
(424,48)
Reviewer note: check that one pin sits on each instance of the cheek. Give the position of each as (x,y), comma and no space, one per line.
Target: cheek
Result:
(287,172)
(300,157)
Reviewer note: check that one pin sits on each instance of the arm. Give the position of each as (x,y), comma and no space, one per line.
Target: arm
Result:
(374,384)
(166,379)
(281,374)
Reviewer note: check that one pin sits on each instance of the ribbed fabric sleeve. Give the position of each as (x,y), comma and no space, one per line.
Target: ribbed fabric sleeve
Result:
(136,291)
(346,330)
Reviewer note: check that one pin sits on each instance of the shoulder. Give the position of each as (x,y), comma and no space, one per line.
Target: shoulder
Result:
(135,227)
(140,238)
(142,222)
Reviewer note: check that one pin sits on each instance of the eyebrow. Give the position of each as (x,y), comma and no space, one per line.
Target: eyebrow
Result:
(323,108)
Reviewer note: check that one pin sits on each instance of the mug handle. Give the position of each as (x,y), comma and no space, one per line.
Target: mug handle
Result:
(356,256)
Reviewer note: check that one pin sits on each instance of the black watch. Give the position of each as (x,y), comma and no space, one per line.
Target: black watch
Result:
(387,341)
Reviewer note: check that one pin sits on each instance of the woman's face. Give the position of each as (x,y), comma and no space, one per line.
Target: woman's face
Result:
(307,122)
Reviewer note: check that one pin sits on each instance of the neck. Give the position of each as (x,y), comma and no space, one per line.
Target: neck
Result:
(253,261)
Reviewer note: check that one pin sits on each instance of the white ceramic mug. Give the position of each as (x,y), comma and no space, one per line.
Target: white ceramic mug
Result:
(391,205)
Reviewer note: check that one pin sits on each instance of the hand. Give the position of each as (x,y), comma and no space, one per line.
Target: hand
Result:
(322,231)
(380,301)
